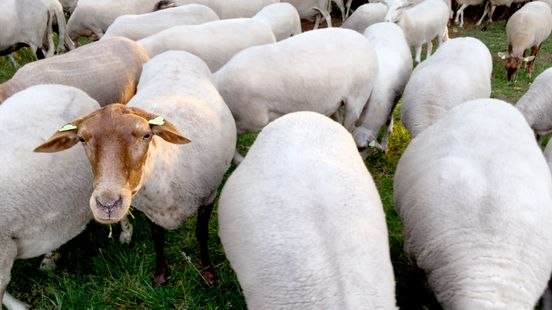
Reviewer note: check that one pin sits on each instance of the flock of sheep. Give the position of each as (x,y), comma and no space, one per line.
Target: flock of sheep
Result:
(157,104)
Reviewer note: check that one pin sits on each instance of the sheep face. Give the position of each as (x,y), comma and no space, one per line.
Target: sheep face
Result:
(512,63)
(116,140)
(396,10)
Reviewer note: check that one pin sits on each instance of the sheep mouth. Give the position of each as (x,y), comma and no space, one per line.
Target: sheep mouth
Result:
(109,213)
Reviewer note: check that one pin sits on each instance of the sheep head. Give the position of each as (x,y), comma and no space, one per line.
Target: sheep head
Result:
(512,63)
(116,139)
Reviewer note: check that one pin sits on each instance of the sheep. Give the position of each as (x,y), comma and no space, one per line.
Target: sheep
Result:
(232,9)
(29,22)
(108,71)
(133,154)
(460,12)
(345,72)
(309,9)
(421,23)
(93,17)
(474,195)
(490,7)
(69,5)
(366,15)
(298,243)
(460,70)
(343,7)
(282,18)
(136,27)
(214,42)
(536,103)
(43,198)
(527,28)
(394,55)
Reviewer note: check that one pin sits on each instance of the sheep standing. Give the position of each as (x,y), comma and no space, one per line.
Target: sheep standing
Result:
(108,71)
(366,15)
(460,12)
(309,9)
(394,55)
(527,28)
(490,7)
(474,195)
(232,9)
(214,42)
(536,103)
(460,70)
(136,27)
(262,83)
(134,158)
(421,22)
(282,18)
(43,198)
(298,243)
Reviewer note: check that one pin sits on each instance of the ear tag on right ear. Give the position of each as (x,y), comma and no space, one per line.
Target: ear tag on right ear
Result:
(157,121)
(67,127)
(372,144)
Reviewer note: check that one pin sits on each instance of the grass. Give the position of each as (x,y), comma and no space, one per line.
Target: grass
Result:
(96,272)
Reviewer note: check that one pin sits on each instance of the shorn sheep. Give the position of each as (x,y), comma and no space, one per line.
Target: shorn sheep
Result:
(536,103)
(298,243)
(282,18)
(134,156)
(394,55)
(366,15)
(136,27)
(421,22)
(474,194)
(460,70)
(309,9)
(345,72)
(527,28)
(107,71)
(43,198)
(232,9)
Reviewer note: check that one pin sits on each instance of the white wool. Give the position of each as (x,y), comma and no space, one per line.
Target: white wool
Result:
(282,18)
(366,15)
(536,103)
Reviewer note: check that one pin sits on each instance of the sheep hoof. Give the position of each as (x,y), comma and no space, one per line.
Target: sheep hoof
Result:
(208,275)
(160,276)
(125,236)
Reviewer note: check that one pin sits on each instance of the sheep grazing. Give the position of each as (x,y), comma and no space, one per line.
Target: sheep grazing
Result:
(136,27)
(214,42)
(536,103)
(460,12)
(474,195)
(134,157)
(282,18)
(298,243)
(421,22)
(394,55)
(29,23)
(366,15)
(43,198)
(232,9)
(460,70)
(256,95)
(527,28)
(108,71)
(309,9)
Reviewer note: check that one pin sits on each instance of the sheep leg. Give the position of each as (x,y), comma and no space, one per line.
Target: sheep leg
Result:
(12,303)
(460,15)
(341,7)
(534,52)
(429,48)
(493,8)
(49,260)
(50,36)
(126,230)
(7,257)
(348,6)
(418,53)
(326,15)
(158,235)
(316,22)
(353,109)
(202,236)
(389,129)
(485,11)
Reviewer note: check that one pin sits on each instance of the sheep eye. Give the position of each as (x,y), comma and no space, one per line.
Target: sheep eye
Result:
(81,139)
(146,136)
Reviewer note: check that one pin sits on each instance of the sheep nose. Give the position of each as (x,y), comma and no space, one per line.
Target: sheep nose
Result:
(109,205)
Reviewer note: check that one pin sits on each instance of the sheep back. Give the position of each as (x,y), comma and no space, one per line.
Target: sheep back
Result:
(536,103)
(366,15)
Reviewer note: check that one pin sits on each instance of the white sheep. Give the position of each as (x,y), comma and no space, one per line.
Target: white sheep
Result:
(43,198)
(295,241)
(69,5)
(136,27)
(265,82)
(309,9)
(527,28)
(421,22)
(474,195)
(460,12)
(536,103)
(108,71)
(460,70)
(282,18)
(214,42)
(232,9)
(394,55)
(490,7)
(133,157)
(366,15)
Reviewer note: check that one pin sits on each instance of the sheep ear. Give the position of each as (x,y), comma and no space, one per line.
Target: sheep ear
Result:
(167,131)
(502,55)
(63,139)
(528,58)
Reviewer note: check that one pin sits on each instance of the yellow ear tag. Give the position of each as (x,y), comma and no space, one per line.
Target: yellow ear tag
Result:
(372,144)
(157,121)
(67,127)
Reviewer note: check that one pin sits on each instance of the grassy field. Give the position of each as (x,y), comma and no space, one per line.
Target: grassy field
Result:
(96,272)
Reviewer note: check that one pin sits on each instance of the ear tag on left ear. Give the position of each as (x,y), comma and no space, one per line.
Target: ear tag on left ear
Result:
(157,121)
(67,127)
(372,144)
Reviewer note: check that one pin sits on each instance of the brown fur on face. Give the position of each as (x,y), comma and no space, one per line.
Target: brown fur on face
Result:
(116,140)
(512,65)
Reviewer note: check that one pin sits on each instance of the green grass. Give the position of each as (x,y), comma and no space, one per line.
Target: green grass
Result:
(96,272)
